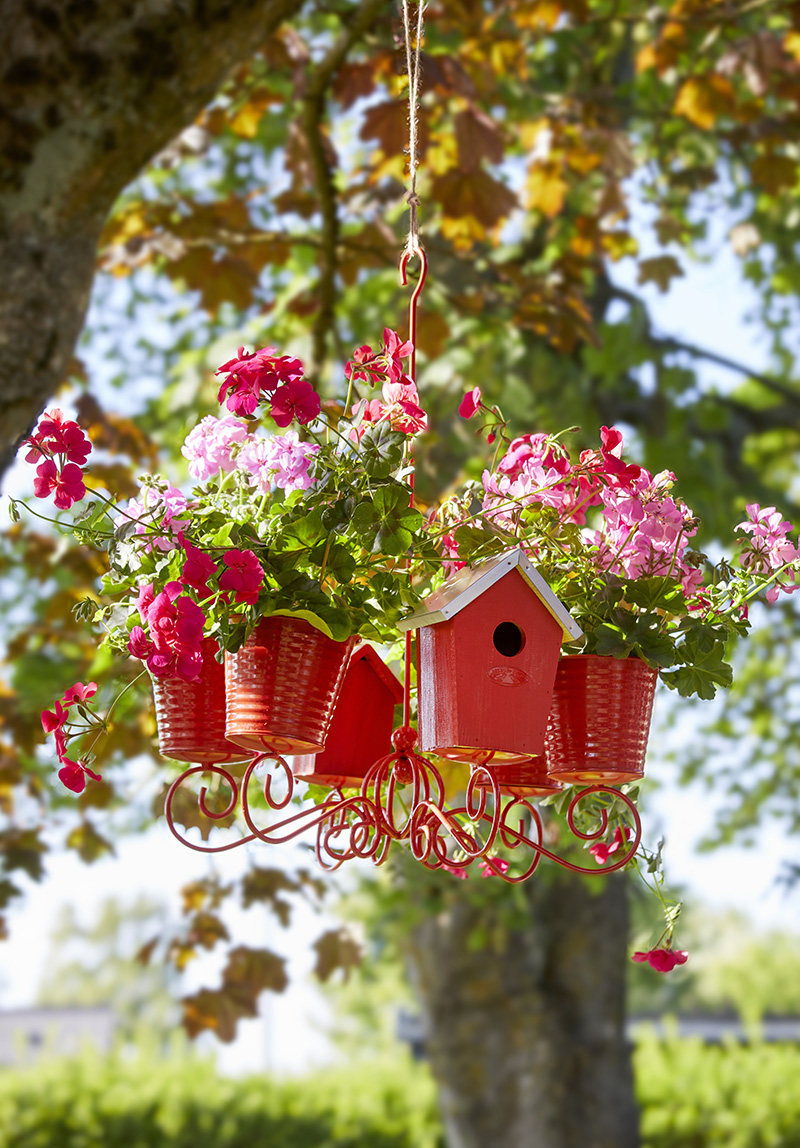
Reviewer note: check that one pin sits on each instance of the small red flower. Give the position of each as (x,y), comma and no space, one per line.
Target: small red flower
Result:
(601,852)
(244,575)
(470,403)
(67,484)
(73,774)
(296,399)
(456,871)
(662,960)
(198,568)
(493,867)
(79,693)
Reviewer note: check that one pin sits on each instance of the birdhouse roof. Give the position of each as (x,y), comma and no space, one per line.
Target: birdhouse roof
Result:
(371,656)
(468,584)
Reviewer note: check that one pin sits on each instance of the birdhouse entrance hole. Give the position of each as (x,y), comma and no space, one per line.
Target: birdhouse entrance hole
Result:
(508,639)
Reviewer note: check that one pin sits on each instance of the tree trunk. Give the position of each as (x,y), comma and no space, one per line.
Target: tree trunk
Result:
(526,1038)
(90,90)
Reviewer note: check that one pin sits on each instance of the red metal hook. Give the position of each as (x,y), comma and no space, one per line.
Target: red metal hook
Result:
(412,304)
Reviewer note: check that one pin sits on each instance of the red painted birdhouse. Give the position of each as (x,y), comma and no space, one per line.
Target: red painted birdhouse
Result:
(361,727)
(487,653)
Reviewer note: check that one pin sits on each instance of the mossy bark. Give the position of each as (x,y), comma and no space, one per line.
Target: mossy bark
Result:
(526,1038)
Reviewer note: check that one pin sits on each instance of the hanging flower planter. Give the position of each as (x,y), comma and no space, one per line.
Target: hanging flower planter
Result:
(191,715)
(282,686)
(600,719)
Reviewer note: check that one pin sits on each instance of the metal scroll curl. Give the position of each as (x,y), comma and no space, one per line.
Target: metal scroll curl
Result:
(402,799)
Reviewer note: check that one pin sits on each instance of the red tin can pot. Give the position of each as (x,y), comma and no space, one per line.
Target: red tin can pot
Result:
(282,686)
(191,715)
(361,728)
(600,718)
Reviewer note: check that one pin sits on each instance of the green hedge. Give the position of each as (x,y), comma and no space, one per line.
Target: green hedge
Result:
(691,1097)
(92,1103)
(723,1096)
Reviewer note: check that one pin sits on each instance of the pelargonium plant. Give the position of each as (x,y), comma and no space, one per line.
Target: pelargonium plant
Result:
(290,511)
(615,543)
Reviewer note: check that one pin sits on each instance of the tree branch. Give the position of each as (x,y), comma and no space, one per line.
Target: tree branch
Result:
(669,343)
(88,94)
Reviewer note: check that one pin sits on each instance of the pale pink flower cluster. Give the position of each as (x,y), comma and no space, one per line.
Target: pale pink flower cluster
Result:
(644,530)
(282,460)
(209,446)
(767,548)
(163,509)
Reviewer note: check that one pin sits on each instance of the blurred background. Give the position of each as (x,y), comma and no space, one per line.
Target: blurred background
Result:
(610,209)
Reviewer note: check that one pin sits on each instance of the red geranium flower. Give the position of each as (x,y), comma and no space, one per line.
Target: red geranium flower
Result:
(297,399)
(244,575)
(73,774)
(601,852)
(198,568)
(493,867)
(79,693)
(470,403)
(67,484)
(662,960)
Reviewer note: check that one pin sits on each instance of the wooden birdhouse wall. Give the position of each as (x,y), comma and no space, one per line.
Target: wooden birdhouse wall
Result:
(361,727)
(486,675)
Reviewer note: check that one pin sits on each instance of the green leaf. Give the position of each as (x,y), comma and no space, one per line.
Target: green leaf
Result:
(381,450)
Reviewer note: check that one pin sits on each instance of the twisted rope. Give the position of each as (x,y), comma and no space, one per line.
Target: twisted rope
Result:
(413,246)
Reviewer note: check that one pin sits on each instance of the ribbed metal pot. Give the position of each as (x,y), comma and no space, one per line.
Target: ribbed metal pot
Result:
(282,686)
(599,719)
(525,779)
(191,715)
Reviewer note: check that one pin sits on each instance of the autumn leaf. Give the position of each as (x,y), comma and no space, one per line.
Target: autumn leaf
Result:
(388,124)
(702,99)
(253,970)
(432,333)
(146,951)
(249,115)
(88,843)
(266,885)
(207,892)
(205,929)
(23,849)
(353,82)
(661,270)
(774,172)
(546,189)
(336,949)
(477,194)
(477,138)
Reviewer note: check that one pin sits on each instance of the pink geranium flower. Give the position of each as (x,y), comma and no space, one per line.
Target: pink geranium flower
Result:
(244,576)
(297,399)
(662,960)
(470,403)
(456,871)
(210,445)
(282,460)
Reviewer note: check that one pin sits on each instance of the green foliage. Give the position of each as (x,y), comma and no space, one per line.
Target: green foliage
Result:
(96,1103)
(729,1096)
(691,1096)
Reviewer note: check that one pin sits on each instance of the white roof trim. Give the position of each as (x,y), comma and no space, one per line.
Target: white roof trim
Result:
(469,583)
